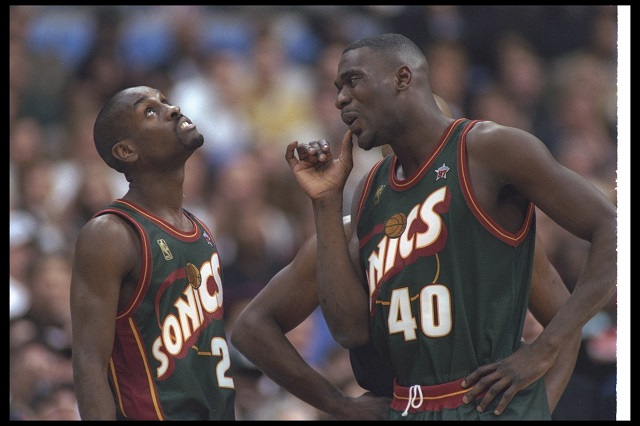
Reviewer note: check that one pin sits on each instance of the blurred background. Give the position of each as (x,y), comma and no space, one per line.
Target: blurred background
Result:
(253,79)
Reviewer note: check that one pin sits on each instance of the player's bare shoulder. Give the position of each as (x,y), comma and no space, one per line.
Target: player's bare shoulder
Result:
(106,225)
(488,141)
(110,236)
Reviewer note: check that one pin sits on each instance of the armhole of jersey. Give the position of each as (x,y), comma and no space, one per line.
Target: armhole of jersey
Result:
(483,217)
(145,270)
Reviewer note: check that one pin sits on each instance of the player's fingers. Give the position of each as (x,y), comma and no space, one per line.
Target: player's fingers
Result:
(481,379)
(289,154)
(321,149)
(306,152)
(505,400)
(492,392)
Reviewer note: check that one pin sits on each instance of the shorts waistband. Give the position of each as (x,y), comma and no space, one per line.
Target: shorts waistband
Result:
(417,398)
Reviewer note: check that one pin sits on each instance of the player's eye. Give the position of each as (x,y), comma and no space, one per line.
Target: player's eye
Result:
(149,111)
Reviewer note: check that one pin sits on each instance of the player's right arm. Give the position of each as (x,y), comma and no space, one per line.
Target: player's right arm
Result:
(105,255)
(322,176)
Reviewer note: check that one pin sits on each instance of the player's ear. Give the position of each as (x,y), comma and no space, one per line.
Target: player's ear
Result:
(403,77)
(124,151)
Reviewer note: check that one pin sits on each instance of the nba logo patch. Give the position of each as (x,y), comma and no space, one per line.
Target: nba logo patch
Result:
(165,249)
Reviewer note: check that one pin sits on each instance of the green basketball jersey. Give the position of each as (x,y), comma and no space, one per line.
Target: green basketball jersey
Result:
(170,359)
(448,287)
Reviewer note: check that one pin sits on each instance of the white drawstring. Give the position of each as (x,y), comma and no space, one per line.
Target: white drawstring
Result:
(413,396)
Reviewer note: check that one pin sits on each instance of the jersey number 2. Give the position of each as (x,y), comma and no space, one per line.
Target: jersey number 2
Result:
(219,347)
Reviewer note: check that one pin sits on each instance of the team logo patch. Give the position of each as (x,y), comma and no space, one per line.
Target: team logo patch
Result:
(165,249)
(208,238)
(376,197)
(394,226)
(441,172)
(193,275)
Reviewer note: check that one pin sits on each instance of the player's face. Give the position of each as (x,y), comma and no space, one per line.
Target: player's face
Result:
(365,89)
(160,125)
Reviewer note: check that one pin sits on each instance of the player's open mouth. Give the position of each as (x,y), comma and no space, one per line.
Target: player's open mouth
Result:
(349,118)
(186,124)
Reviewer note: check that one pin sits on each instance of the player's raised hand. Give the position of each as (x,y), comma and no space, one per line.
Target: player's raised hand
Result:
(316,168)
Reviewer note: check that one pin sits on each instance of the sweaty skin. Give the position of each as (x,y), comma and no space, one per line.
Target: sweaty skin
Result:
(385,98)
(291,296)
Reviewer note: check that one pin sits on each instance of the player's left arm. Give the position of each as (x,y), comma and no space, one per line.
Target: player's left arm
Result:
(260,334)
(548,294)
(519,159)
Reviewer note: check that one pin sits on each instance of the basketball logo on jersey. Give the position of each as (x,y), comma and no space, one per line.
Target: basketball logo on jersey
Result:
(165,249)
(376,198)
(421,233)
(441,172)
(395,225)
(193,275)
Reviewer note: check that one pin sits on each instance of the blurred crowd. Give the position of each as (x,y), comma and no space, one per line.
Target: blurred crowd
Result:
(253,79)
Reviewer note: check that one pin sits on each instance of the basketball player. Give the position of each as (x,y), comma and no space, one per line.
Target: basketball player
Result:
(445,302)
(146,290)
(291,296)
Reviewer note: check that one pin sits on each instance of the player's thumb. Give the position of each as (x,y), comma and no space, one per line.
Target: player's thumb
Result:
(347,148)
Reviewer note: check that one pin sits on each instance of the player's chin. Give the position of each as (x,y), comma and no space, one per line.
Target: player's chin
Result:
(194,143)
(364,141)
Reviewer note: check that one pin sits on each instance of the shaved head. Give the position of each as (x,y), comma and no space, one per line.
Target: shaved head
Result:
(395,45)
(110,128)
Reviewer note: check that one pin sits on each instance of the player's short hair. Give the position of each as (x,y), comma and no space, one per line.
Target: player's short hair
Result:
(400,45)
(109,130)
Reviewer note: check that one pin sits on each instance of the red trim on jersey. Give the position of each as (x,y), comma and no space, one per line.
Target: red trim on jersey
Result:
(483,217)
(409,182)
(135,381)
(143,280)
(206,228)
(126,367)
(170,229)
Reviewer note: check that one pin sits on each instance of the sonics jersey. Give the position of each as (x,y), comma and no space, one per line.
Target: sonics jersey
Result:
(170,358)
(448,286)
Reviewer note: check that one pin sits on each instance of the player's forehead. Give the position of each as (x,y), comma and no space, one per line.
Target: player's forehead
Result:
(362,60)
(134,96)
(355,58)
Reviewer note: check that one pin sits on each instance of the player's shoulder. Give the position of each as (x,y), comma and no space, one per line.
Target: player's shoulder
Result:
(106,227)
(489,134)
(491,130)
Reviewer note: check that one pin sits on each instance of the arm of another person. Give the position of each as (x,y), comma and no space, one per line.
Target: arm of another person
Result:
(322,177)
(548,294)
(104,253)
(259,334)
(521,160)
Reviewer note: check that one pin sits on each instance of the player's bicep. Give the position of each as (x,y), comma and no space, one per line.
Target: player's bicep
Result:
(520,159)
(102,258)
